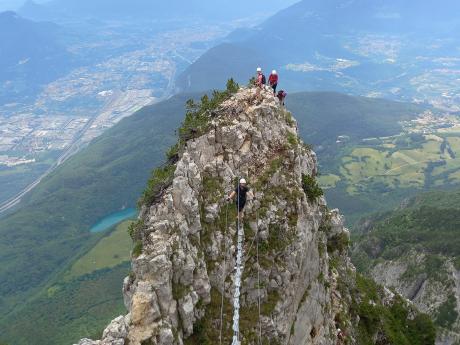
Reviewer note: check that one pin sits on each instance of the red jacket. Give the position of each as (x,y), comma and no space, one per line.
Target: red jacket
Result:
(273,79)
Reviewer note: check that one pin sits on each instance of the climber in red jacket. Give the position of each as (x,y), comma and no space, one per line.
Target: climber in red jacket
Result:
(273,81)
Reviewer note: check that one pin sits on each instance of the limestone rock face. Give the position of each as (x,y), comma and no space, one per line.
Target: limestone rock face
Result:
(430,293)
(183,279)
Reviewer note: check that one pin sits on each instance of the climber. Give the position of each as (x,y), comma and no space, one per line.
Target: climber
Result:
(273,81)
(340,337)
(281,96)
(260,78)
(239,195)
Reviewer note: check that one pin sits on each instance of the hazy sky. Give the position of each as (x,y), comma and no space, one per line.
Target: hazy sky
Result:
(14,4)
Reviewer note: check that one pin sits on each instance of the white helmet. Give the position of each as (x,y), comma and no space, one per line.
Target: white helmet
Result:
(259,69)
(243,181)
(274,71)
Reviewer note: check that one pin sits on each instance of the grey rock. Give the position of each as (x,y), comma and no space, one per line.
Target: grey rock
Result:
(186,249)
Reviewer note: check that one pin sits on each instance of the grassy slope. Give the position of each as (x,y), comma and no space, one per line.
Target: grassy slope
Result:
(51,228)
(83,300)
(429,223)
(109,252)
(112,172)
(79,308)
(325,115)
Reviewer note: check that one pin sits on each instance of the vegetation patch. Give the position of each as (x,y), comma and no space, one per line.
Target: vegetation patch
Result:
(269,305)
(137,250)
(311,188)
(206,331)
(109,252)
(292,139)
(338,242)
(212,188)
(289,119)
(392,324)
(160,180)
(135,229)
(179,291)
(199,115)
(447,313)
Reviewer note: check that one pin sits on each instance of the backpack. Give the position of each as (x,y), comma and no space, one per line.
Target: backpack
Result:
(264,80)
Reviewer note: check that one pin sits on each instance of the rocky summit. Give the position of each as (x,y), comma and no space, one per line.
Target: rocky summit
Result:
(298,285)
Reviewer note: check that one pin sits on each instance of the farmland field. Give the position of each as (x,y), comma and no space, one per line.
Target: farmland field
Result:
(392,167)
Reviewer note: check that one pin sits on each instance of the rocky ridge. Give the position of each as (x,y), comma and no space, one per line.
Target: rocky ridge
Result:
(295,253)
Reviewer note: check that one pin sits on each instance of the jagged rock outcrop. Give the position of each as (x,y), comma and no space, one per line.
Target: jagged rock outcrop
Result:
(295,253)
(413,250)
(436,293)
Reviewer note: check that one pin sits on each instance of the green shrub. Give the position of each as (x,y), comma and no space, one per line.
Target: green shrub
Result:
(134,230)
(311,187)
(457,263)
(161,178)
(292,139)
(232,86)
(198,115)
(172,155)
(339,242)
(137,250)
(196,123)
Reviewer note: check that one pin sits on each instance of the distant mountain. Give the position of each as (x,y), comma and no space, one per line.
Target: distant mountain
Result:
(30,54)
(416,250)
(146,9)
(359,46)
(50,230)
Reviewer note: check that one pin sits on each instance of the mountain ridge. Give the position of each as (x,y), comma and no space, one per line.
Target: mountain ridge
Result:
(88,186)
(184,250)
(358,48)
(31,54)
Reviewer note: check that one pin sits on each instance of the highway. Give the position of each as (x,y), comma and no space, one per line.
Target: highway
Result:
(72,149)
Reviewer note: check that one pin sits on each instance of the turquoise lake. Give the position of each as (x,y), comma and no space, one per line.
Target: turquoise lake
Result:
(113,219)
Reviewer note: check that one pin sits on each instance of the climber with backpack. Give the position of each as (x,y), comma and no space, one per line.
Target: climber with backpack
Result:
(273,81)
(240,195)
(260,78)
(281,96)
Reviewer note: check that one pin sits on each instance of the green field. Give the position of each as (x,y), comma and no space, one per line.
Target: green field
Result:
(329,181)
(392,168)
(110,252)
(397,167)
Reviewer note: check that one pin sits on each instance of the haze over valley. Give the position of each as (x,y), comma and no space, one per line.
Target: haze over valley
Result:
(55,100)
(123,126)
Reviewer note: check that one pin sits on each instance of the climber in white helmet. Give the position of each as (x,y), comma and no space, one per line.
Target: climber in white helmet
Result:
(273,81)
(240,195)
(260,78)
